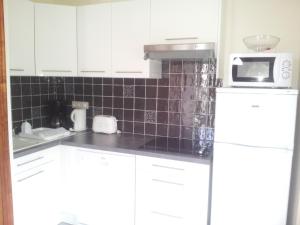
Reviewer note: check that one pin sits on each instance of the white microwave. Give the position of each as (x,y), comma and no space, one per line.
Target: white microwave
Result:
(261,70)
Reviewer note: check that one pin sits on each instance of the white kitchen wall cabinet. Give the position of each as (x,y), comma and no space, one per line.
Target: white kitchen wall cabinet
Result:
(100,185)
(130,32)
(36,188)
(55,40)
(171,192)
(94,39)
(21,37)
(184,21)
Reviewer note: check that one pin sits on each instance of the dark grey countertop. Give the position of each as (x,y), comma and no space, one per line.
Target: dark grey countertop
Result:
(123,143)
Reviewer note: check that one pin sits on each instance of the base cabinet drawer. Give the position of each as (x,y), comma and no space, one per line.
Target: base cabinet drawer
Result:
(171,192)
(25,163)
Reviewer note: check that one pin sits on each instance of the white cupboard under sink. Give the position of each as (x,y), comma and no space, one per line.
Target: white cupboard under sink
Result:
(55,40)
(188,21)
(21,37)
(36,189)
(94,39)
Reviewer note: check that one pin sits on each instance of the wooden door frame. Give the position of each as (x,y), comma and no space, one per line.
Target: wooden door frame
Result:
(6,208)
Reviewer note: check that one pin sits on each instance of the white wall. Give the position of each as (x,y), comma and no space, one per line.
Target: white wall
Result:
(242,18)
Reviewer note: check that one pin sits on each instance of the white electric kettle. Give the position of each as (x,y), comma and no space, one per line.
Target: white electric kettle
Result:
(78,117)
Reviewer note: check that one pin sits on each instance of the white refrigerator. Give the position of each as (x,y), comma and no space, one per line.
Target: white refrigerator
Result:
(254,142)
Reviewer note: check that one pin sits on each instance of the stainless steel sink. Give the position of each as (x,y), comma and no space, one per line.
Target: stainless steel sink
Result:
(20,142)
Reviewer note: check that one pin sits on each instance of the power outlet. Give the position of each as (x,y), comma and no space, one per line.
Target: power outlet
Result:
(80,105)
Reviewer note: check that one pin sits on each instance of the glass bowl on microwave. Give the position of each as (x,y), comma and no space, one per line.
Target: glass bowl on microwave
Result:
(261,42)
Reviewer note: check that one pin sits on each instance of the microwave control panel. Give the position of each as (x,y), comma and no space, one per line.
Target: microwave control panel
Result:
(286,69)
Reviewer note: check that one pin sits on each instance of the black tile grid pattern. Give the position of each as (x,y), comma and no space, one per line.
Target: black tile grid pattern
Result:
(179,106)
(30,97)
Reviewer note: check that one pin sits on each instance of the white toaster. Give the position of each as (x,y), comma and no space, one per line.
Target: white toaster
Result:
(105,124)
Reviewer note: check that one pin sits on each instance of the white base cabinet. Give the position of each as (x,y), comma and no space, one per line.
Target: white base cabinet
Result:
(171,192)
(69,189)
(82,186)
(99,187)
(36,188)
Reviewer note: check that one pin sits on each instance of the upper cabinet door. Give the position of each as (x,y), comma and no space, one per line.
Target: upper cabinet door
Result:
(55,40)
(21,37)
(94,39)
(184,21)
(130,32)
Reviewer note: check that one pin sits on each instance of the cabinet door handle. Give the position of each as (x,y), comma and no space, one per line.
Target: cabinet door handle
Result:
(167,182)
(92,71)
(125,71)
(32,175)
(57,71)
(19,70)
(182,38)
(167,167)
(30,161)
(167,215)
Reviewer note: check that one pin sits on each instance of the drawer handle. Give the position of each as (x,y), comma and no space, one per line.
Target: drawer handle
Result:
(92,71)
(167,215)
(183,38)
(30,176)
(19,70)
(167,182)
(57,71)
(167,167)
(30,161)
(255,106)
(129,72)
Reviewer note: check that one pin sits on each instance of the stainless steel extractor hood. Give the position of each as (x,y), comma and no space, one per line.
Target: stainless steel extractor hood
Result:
(180,51)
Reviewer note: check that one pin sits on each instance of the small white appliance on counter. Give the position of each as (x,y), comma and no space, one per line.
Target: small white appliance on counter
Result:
(253,150)
(26,128)
(78,116)
(105,124)
(261,70)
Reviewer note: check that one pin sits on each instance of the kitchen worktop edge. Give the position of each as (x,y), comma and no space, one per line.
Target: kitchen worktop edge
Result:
(130,145)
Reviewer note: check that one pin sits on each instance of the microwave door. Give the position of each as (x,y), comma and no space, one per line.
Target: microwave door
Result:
(253,69)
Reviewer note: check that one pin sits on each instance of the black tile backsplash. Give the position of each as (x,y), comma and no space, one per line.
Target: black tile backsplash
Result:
(180,105)
(30,97)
